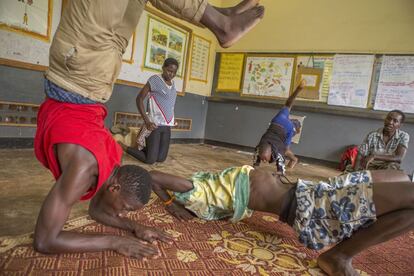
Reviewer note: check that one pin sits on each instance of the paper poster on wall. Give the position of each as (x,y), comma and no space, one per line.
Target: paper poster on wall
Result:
(268,76)
(230,72)
(200,56)
(165,41)
(323,62)
(301,119)
(396,84)
(312,77)
(351,78)
(32,17)
(374,82)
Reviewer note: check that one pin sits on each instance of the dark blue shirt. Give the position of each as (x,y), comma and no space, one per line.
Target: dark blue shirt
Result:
(282,119)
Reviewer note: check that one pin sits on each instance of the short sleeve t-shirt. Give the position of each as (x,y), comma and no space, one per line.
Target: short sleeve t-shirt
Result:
(282,119)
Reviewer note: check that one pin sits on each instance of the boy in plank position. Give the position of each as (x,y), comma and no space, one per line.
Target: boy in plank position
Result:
(355,211)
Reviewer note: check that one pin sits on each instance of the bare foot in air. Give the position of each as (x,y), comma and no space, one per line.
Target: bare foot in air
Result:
(239,8)
(334,264)
(238,25)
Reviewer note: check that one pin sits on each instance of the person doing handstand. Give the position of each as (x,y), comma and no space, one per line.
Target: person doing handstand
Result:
(274,145)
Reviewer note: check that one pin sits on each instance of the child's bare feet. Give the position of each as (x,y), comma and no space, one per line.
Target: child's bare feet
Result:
(239,8)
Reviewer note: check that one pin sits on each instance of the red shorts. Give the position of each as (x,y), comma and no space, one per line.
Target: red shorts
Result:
(81,124)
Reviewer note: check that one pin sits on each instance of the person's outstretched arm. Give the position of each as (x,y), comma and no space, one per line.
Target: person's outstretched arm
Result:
(163,182)
(291,99)
(78,175)
(140,105)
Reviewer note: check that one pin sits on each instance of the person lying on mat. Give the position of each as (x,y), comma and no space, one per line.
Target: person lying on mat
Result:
(274,145)
(354,211)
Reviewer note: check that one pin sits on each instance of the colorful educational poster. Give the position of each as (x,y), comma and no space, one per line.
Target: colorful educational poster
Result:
(165,41)
(268,76)
(323,62)
(351,79)
(396,84)
(31,17)
(230,72)
(200,55)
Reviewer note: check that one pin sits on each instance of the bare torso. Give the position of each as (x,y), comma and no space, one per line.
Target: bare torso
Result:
(267,192)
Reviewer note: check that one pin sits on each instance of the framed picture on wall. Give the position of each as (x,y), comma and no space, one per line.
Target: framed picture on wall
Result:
(200,56)
(128,56)
(268,76)
(29,17)
(165,40)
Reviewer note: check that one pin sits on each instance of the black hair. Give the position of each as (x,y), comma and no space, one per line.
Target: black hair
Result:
(170,61)
(135,181)
(296,123)
(399,112)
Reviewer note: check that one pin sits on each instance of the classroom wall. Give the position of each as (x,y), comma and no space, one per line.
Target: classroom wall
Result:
(21,85)
(371,26)
(324,136)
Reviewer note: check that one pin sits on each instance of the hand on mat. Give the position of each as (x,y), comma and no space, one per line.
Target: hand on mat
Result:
(132,247)
(179,212)
(151,234)
(150,125)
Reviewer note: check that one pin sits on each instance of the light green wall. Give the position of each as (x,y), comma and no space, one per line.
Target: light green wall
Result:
(372,26)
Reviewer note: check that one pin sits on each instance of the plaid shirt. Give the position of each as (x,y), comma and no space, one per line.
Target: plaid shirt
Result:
(374,143)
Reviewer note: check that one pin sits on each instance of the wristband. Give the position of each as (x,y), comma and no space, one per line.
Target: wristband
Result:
(170,201)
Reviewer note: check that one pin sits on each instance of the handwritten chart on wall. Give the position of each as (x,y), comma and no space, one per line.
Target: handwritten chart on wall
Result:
(200,55)
(396,84)
(230,72)
(351,78)
(268,76)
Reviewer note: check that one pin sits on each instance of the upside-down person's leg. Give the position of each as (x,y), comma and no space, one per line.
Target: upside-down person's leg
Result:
(239,8)
(227,28)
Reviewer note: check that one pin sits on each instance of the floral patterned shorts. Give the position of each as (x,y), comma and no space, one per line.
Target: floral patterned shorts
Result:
(329,212)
